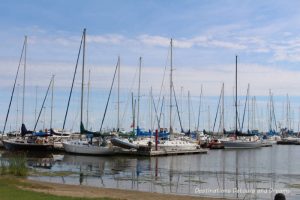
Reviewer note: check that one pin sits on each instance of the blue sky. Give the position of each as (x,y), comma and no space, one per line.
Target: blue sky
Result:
(207,36)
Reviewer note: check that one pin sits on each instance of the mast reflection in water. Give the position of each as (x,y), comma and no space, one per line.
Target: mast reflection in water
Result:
(220,173)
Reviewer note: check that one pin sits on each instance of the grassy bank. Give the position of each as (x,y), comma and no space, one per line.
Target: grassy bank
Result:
(12,188)
(14,185)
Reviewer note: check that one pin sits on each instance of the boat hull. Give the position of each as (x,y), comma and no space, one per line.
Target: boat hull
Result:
(241,144)
(16,146)
(79,147)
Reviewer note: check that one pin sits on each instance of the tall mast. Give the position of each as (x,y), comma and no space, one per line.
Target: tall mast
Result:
(287,111)
(17,118)
(133,112)
(223,124)
(189,99)
(43,107)
(270,111)
(44,121)
(72,86)
(88,98)
(171,85)
(151,109)
(208,113)
(236,110)
(139,90)
(24,76)
(199,111)
(181,103)
(13,90)
(36,88)
(82,80)
(118,123)
(51,118)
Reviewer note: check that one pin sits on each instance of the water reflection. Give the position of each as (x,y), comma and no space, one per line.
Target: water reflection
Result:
(222,173)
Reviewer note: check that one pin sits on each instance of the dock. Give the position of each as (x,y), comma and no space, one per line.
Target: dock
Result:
(151,153)
(288,142)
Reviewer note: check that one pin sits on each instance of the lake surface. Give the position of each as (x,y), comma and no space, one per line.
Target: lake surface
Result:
(244,174)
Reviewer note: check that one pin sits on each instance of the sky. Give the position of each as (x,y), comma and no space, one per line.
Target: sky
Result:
(207,36)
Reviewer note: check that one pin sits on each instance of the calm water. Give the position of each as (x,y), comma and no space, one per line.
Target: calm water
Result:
(245,174)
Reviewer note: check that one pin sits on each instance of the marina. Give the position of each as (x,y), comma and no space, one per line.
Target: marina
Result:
(165,99)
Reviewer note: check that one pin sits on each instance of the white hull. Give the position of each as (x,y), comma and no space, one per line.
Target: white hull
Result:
(240,144)
(177,145)
(82,147)
(167,145)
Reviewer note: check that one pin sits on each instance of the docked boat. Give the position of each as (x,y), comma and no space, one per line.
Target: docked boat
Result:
(177,144)
(87,146)
(242,142)
(84,147)
(289,141)
(32,143)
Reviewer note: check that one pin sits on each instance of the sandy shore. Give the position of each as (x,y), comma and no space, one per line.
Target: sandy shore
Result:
(92,192)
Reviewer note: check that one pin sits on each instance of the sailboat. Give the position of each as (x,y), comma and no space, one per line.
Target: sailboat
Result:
(235,143)
(174,143)
(30,140)
(87,146)
(171,144)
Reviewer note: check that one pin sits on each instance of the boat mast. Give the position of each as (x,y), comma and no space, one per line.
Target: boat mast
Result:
(51,118)
(287,112)
(118,122)
(199,111)
(181,103)
(36,88)
(208,113)
(270,111)
(223,124)
(13,90)
(236,110)
(151,110)
(112,84)
(17,118)
(139,90)
(189,107)
(72,86)
(88,98)
(171,85)
(24,76)
(133,112)
(82,80)
(43,105)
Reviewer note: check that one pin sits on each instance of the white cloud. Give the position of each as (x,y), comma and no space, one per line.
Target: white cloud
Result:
(106,39)
(154,40)
(227,45)
(189,43)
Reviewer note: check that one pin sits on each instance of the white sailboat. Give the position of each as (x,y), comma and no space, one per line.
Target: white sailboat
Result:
(87,146)
(243,142)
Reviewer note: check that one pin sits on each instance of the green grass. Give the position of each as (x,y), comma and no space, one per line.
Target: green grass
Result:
(15,166)
(10,190)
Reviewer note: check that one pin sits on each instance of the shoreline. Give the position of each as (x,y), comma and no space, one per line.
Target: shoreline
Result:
(60,189)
